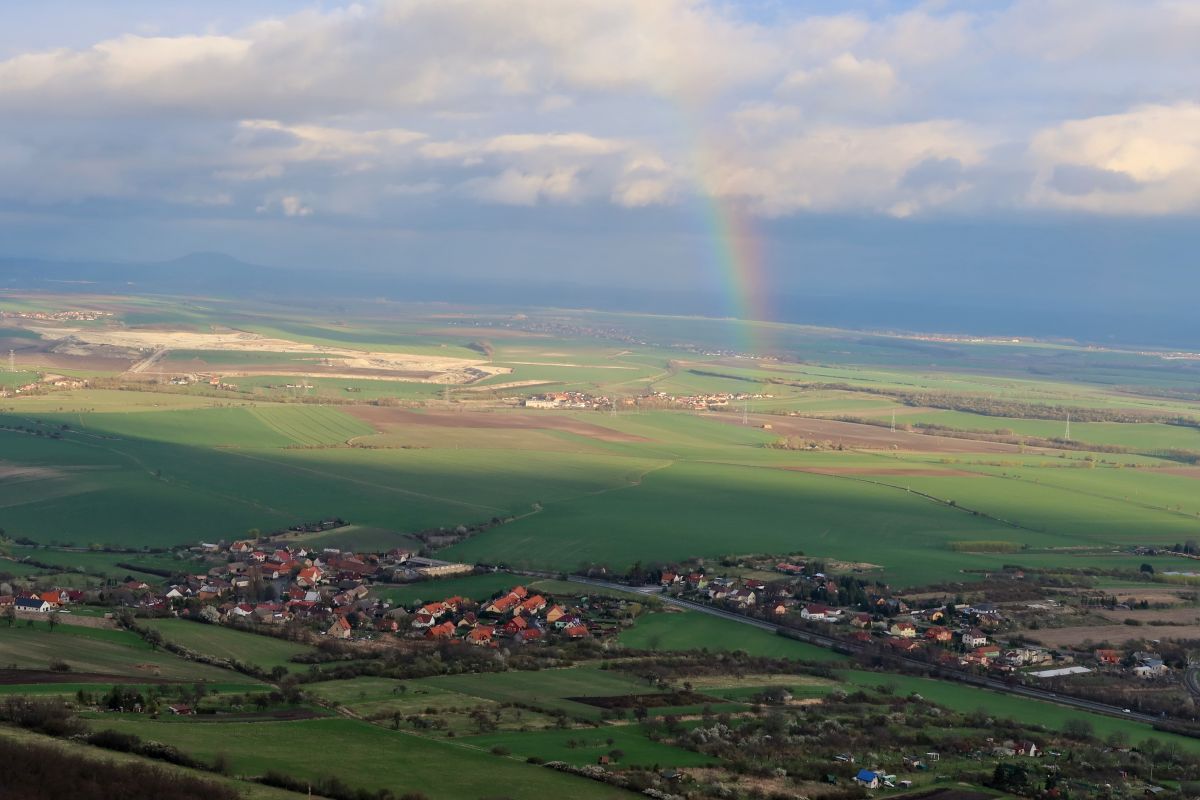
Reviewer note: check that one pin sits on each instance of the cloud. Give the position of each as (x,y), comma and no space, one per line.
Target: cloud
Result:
(316,142)
(514,187)
(840,168)
(1143,161)
(352,110)
(844,83)
(289,205)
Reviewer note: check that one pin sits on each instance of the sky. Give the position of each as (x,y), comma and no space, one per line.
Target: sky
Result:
(1035,157)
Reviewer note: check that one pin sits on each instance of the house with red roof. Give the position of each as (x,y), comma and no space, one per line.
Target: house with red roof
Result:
(340,628)
(444,630)
(939,634)
(482,636)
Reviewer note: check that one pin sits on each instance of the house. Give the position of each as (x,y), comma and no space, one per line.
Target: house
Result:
(990,652)
(309,577)
(867,779)
(861,620)
(481,636)
(555,614)
(435,610)
(340,629)
(1108,658)
(743,597)
(56,597)
(905,630)
(533,605)
(181,710)
(974,638)
(815,612)
(36,605)
(1027,749)
(904,644)
(939,634)
(443,631)
(508,602)
(1150,668)
(576,631)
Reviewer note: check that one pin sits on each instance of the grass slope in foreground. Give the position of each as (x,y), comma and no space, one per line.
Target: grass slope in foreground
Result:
(364,756)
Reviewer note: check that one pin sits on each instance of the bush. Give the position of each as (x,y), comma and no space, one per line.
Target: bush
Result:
(115,740)
(42,772)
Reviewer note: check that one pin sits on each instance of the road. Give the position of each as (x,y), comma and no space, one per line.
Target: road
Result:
(830,642)
(148,362)
(1191,679)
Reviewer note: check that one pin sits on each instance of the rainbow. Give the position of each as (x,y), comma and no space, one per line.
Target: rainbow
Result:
(734,253)
(737,260)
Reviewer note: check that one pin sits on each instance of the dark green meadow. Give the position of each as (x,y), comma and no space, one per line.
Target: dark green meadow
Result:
(137,468)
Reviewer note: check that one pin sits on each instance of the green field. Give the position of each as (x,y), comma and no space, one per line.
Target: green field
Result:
(964,698)
(265,652)
(381,699)
(546,689)
(115,653)
(475,587)
(246,789)
(142,468)
(692,630)
(581,747)
(363,756)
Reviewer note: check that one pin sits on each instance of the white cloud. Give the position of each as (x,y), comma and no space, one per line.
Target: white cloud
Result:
(845,82)
(290,205)
(1144,161)
(314,142)
(531,102)
(514,187)
(837,168)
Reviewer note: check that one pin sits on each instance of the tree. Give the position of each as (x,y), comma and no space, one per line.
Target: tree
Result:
(1148,569)
(1010,778)
(154,638)
(1078,728)
(53,620)
(10,615)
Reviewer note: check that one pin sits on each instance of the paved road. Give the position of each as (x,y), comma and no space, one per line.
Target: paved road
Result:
(828,641)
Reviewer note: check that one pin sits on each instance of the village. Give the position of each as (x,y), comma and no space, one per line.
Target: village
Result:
(987,638)
(581,401)
(334,594)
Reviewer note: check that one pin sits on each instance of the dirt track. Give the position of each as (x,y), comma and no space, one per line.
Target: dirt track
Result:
(13,677)
(888,471)
(1187,472)
(384,418)
(865,437)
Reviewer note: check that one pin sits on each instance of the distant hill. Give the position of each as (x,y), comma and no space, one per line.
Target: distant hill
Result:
(207,273)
